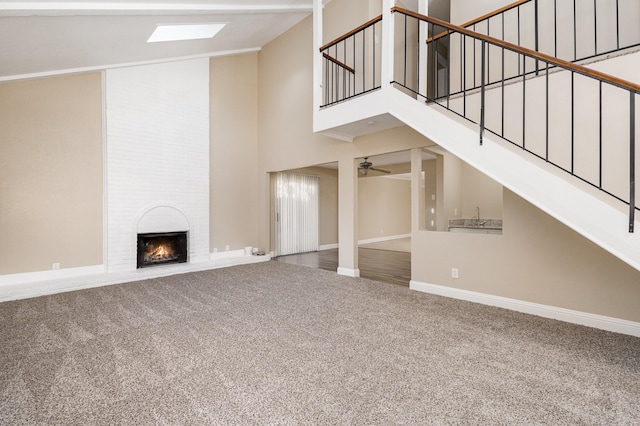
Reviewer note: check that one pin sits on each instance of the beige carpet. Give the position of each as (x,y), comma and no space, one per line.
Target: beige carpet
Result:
(274,343)
(398,244)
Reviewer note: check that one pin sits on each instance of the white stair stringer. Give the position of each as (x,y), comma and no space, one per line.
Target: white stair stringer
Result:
(583,212)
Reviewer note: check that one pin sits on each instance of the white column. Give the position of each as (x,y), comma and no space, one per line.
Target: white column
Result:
(317,59)
(417,201)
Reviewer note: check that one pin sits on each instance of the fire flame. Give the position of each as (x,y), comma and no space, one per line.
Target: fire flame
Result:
(160,253)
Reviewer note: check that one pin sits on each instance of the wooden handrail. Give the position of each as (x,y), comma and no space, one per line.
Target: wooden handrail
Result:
(337,62)
(624,84)
(352,32)
(481,18)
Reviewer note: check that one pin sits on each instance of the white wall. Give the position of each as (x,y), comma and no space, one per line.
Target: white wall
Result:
(157,156)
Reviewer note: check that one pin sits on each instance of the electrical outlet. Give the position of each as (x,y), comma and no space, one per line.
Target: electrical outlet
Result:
(55,266)
(215,249)
(227,248)
(454,272)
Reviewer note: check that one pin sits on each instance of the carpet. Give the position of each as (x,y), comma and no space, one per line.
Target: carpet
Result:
(274,343)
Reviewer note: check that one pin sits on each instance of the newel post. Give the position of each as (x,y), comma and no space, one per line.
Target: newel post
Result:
(388,30)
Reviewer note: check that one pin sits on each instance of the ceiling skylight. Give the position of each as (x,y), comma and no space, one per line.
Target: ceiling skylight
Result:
(185,32)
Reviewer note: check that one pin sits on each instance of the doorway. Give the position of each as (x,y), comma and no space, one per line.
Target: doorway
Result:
(296,213)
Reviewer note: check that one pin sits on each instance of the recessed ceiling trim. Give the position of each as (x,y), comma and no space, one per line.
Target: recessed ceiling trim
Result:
(106,8)
(4,79)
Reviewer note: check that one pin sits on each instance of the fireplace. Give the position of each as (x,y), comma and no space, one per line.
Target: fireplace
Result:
(162,248)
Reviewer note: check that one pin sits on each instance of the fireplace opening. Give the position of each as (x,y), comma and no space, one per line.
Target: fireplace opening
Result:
(162,248)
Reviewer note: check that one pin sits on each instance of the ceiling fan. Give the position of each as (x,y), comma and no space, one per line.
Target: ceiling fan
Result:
(366,166)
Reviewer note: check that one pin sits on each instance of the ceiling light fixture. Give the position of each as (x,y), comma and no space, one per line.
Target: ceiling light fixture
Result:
(184,32)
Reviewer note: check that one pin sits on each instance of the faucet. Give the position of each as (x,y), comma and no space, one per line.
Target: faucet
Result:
(478,217)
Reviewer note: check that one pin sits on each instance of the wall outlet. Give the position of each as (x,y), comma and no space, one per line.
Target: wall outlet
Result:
(215,249)
(454,272)
(227,248)
(55,266)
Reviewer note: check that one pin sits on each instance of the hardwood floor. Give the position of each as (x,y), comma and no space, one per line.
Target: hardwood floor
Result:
(392,267)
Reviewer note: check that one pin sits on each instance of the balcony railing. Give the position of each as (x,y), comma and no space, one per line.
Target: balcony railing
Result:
(573,30)
(578,119)
(351,63)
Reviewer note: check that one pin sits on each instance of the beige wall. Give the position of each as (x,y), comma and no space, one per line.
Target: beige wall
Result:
(51,173)
(328,199)
(285,118)
(233,153)
(478,190)
(384,207)
(536,259)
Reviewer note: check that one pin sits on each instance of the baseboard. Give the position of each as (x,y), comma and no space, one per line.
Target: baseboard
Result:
(226,254)
(389,238)
(328,246)
(28,277)
(576,317)
(35,284)
(348,272)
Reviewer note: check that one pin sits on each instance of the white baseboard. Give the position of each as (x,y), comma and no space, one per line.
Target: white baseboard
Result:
(389,238)
(226,254)
(328,246)
(27,277)
(348,272)
(576,317)
(44,283)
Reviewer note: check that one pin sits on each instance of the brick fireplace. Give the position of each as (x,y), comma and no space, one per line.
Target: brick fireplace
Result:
(157,168)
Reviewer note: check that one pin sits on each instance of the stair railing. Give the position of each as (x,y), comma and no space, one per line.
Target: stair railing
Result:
(351,63)
(578,119)
(573,30)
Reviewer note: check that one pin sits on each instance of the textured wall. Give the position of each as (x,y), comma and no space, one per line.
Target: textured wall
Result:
(51,173)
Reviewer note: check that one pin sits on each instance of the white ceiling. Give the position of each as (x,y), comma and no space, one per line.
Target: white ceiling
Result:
(48,37)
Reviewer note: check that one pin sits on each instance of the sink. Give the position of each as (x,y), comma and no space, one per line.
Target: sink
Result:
(486,226)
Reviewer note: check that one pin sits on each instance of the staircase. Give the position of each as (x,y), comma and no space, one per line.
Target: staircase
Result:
(560,135)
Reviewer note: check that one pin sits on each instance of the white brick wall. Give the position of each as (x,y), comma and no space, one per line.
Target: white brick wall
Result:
(157,156)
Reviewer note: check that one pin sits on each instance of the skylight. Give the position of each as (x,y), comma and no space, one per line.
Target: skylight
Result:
(185,32)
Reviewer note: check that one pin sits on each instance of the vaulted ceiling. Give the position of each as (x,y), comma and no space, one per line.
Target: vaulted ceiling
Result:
(47,37)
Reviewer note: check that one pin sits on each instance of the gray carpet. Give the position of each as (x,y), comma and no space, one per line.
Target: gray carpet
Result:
(274,343)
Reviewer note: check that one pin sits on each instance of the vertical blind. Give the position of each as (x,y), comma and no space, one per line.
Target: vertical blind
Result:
(296,213)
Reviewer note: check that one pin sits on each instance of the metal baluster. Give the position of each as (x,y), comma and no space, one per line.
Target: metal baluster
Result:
(555,28)
(436,87)
(524,103)
(344,71)
(405,50)
(632,161)
(595,29)
(482,99)
(502,95)
(535,11)
(546,155)
(464,71)
(518,9)
(474,59)
(575,39)
(364,64)
(373,48)
(572,117)
(354,65)
(448,83)
(600,134)
(617,24)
